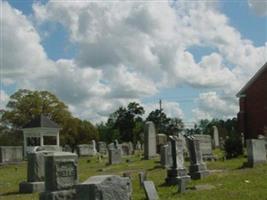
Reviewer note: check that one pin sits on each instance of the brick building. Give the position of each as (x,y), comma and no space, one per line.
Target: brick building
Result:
(252,117)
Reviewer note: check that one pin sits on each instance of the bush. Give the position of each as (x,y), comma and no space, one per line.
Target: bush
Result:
(233,147)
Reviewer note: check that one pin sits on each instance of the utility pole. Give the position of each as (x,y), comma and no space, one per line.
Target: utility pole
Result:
(160,105)
(160,112)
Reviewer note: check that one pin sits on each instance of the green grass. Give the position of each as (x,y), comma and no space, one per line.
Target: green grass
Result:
(229,180)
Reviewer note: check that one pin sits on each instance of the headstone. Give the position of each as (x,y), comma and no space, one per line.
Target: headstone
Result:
(182,185)
(131,148)
(11,154)
(138,145)
(35,173)
(106,187)
(125,149)
(67,148)
(150,141)
(165,156)
(161,140)
(197,168)
(177,170)
(142,177)
(205,146)
(83,149)
(102,148)
(216,141)
(114,156)
(150,190)
(49,148)
(242,139)
(256,152)
(92,148)
(60,176)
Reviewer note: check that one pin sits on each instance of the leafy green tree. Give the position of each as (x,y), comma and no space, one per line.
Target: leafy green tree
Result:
(24,105)
(160,120)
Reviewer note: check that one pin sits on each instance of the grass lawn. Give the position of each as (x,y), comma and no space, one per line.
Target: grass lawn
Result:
(227,179)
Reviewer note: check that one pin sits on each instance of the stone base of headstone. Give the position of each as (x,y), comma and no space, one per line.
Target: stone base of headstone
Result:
(31,187)
(182,185)
(198,171)
(173,176)
(58,195)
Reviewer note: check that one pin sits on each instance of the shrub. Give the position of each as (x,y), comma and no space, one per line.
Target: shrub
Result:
(233,147)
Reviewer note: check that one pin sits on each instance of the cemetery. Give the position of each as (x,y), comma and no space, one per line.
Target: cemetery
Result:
(115,173)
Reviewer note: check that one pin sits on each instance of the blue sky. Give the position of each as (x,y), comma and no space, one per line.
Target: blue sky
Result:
(191,85)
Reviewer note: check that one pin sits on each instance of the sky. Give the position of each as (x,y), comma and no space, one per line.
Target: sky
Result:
(98,55)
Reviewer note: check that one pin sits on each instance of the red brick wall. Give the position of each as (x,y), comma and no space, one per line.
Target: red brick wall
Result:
(255,107)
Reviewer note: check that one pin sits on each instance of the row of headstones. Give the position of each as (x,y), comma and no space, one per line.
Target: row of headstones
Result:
(92,149)
(54,175)
(153,143)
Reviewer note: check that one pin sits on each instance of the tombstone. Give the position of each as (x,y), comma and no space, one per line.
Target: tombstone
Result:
(177,170)
(165,156)
(216,141)
(161,140)
(60,176)
(125,149)
(35,173)
(142,177)
(92,148)
(182,185)
(150,141)
(114,156)
(11,154)
(102,148)
(256,152)
(67,148)
(83,149)
(131,148)
(138,145)
(105,187)
(242,139)
(205,146)
(197,168)
(150,190)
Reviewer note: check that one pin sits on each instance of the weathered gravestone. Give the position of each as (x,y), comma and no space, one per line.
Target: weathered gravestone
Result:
(165,156)
(138,145)
(161,139)
(83,149)
(114,154)
(35,173)
(205,146)
(142,177)
(125,149)
(102,148)
(92,148)
(256,152)
(177,170)
(150,190)
(10,154)
(149,141)
(216,140)
(60,176)
(106,187)
(197,168)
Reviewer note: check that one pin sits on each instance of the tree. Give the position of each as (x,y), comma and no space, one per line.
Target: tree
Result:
(175,126)
(160,120)
(24,105)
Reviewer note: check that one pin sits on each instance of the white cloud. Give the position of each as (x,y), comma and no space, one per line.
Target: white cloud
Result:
(127,51)
(259,6)
(4,98)
(211,105)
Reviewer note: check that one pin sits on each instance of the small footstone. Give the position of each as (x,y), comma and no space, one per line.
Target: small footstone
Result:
(150,190)
(182,185)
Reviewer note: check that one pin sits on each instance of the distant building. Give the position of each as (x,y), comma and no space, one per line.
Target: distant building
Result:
(252,117)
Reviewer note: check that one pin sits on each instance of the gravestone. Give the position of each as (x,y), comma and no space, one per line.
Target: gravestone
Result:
(83,149)
(256,152)
(165,156)
(125,149)
(67,148)
(177,170)
(138,145)
(150,190)
(142,177)
(242,139)
(35,173)
(106,187)
(216,141)
(131,148)
(205,146)
(92,148)
(197,168)
(60,176)
(161,139)
(114,155)
(11,154)
(102,148)
(149,141)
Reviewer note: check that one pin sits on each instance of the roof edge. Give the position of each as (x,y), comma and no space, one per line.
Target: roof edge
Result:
(251,81)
